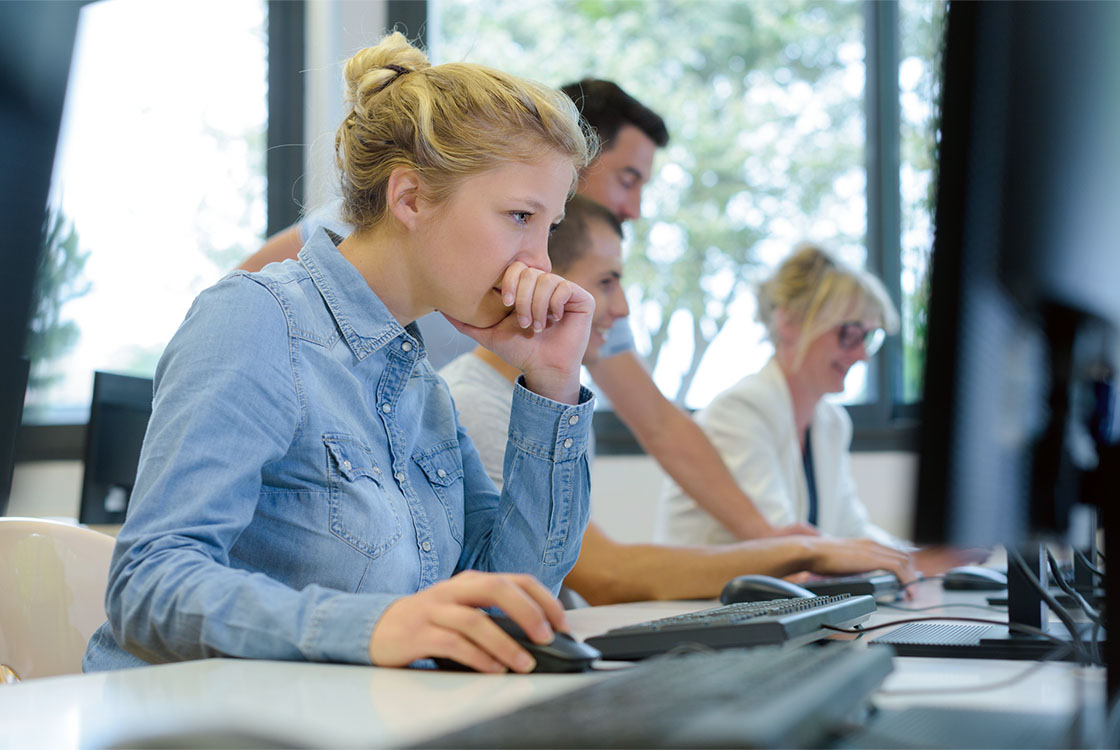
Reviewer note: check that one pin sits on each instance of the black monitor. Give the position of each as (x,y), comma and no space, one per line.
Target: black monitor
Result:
(36,42)
(118,419)
(1019,423)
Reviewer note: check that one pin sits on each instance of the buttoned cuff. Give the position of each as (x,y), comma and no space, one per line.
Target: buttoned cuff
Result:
(342,625)
(549,429)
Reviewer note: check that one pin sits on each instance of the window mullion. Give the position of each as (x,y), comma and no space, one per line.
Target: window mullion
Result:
(883,192)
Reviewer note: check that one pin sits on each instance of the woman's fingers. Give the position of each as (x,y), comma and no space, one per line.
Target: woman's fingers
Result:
(539,298)
(445,621)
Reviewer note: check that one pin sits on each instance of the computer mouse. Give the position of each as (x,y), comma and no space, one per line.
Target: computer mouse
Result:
(563,654)
(758,588)
(974,578)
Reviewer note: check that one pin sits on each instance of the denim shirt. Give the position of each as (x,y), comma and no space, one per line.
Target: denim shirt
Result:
(304,468)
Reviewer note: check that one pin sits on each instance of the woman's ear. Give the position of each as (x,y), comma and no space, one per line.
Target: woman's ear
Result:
(404,196)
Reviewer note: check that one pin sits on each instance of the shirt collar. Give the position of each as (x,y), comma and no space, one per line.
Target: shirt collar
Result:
(366,324)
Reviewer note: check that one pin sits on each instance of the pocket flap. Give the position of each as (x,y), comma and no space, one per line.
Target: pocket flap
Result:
(442,464)
(351,458)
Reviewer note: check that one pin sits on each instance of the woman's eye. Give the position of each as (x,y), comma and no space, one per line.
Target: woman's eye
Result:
(521,217)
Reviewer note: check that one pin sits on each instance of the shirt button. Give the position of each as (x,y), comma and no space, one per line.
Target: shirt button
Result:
(376,469)
(568,443)
(346,464)
(386,408)
(399,476)
(441,473)
(407,346)
(574,419)
(426,546)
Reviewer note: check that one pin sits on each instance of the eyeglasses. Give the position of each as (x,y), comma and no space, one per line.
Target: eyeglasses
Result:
(852,335)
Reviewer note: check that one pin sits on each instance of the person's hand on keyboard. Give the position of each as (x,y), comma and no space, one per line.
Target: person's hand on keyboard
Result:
(445,621)
(833,557)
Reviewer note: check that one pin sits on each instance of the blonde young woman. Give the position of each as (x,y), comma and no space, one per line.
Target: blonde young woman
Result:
(305,491)
(787,446)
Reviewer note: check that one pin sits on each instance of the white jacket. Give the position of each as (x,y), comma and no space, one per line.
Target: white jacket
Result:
(751,425)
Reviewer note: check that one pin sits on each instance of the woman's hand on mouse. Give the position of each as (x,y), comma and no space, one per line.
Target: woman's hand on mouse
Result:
(445,621)
(545,334)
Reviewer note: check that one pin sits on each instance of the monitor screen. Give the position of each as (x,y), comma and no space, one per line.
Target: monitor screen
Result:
(118,419)
(1025,291)
(36,42)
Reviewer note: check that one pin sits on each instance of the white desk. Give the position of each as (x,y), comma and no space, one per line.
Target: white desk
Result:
(339,705)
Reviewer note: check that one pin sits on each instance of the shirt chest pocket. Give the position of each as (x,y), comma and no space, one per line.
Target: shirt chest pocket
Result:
(362,512)
(443,466)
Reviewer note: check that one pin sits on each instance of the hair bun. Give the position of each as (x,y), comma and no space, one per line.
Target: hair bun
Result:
(375,68)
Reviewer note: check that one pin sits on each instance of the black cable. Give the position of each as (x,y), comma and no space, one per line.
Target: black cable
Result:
(985,607)
(1088,609)
(1085,561)
(1054,655)
(1030,630)
(1063,614)
(1077,646)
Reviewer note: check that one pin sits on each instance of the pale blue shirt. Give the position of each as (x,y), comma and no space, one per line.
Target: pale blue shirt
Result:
(304,468)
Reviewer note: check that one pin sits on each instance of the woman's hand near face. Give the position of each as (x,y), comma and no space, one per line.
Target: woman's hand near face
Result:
(545,334)
(445,621)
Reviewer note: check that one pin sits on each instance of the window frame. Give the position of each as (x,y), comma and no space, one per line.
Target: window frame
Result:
(284,191)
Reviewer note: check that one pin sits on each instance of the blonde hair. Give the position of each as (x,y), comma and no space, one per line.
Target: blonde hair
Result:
(447,122)
(817,291)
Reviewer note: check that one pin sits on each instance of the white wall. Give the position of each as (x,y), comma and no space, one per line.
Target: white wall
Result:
(622,484)
(626,491)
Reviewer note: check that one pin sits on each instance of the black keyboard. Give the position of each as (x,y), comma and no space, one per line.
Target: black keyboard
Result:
(878,585)
(765,697)
(769,623)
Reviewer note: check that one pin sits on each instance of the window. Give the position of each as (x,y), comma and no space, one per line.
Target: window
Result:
(922,25)
(159,187)
(767,107)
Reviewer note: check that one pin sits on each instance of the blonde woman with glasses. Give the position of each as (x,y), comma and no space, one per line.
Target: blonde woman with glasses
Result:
(786,445)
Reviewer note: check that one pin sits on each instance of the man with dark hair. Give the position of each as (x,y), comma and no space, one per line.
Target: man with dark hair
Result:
(631,134)
(586,249)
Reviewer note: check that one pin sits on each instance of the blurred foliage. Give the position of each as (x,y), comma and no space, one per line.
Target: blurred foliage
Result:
(923,38)
(59,280)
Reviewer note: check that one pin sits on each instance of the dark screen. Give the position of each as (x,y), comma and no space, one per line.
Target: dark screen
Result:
(36,42)
(1025,291)
(118,418)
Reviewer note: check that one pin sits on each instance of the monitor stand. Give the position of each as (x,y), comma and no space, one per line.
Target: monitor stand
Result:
(978,641)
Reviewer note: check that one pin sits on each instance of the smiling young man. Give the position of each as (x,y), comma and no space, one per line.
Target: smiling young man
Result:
(586,250)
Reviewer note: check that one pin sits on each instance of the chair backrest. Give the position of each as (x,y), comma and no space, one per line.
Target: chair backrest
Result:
(52,594)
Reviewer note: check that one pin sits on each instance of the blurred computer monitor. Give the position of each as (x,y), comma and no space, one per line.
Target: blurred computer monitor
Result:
(118,419)
(36,43)
(1023,348)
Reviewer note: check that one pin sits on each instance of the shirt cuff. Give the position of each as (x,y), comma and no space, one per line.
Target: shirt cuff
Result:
(549,429)
(342,625)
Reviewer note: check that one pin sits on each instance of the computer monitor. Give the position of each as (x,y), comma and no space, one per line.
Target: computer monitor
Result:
(1023,349)
(36,42)
(118,419)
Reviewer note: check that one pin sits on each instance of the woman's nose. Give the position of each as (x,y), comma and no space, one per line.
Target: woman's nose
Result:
(537,256)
